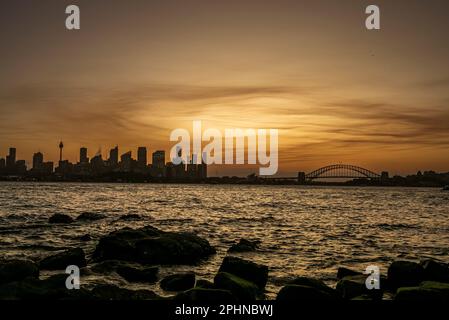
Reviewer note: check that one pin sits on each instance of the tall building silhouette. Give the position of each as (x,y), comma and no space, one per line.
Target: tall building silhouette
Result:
(113,156)
(142,156)
(158,159)
(11,158)
(2,163)
(83,155)
(38,160)
(126,161)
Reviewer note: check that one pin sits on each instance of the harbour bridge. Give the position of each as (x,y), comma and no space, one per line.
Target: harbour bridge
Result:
(336,171)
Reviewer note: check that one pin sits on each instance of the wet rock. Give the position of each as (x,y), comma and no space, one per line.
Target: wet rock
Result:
(242,289)
(428,291)
(133,274)
(60,218)
(112,292)
(244,246)
(205,296)
(17,269)
(435,271)
(250,271)
(178,282)
(149,245)
(344,272)
(130,217)
(90,216)
(405,274)
(314,283)
(352,286)
(61,260)
(206,284)
(292,292)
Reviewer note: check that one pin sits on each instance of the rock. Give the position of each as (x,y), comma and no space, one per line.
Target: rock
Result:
(405,274)
(85,237)
(130,217)
(428,291)
(292,292)
(149,245)
(352,286)
(178,282)
(250,271)
(435,271)
(90,216)
(112,292)
(133,274)
(242,289)
(16,270)
(60,218)
(314,283)
(244,246)
(205,296)
(343,272)
(61,260)
(205,284)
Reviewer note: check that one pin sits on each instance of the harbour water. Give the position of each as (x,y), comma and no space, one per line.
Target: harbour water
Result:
(303,230)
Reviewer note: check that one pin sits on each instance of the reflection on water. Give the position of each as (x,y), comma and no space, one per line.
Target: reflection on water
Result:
(303,231)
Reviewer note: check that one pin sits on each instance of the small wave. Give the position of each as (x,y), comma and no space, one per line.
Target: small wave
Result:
(396,226)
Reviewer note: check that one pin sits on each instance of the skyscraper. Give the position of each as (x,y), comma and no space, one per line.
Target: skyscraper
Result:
(38,160)
(113,156)
(11,158)
(126,161)
(2,163)
(158,159)
(61,146)
(83,155)
(142,156)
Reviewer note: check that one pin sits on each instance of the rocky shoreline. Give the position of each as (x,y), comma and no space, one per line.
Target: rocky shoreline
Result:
(137,255)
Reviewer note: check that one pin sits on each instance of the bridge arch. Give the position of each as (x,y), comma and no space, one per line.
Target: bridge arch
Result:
(337,171)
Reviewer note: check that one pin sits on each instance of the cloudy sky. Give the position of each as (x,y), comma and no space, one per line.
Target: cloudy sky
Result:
(136,70)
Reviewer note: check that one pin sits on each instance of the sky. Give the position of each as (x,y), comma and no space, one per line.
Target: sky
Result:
(136,70)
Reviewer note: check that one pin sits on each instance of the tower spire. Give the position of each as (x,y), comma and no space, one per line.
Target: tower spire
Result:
(61,146)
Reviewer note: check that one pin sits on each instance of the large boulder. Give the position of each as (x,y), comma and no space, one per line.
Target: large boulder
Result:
(344,272)
(178,282)
(405,274)
(353,286)
(112,292)
(17,269)
(293,292)
(62,260)
(242,289)
(250,271)
(60,218)
(149,245)
(205,284)
(135,274)
(203,295)
(314,283)
(427,291)
(435,271)
(244,246)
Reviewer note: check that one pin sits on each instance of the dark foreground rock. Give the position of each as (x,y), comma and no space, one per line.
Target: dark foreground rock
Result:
(61,260)
(205,284)
(60,218)
(204,295)
(112,292)
(178,282)
(435,271)
(427,291)
(130,217)
(247,270)
(149,245)
(344,272)
(292,292)
(241,289)
(90,216)
(17,269)
(351,287)
(314,283)
(405,274)
(244,246)
(136,274)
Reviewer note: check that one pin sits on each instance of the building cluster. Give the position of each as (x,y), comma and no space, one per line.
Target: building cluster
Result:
(97,166)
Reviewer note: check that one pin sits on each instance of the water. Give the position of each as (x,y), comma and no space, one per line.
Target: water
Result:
(303,230)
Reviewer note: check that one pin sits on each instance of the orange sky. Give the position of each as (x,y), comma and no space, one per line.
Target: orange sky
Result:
(138,69)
